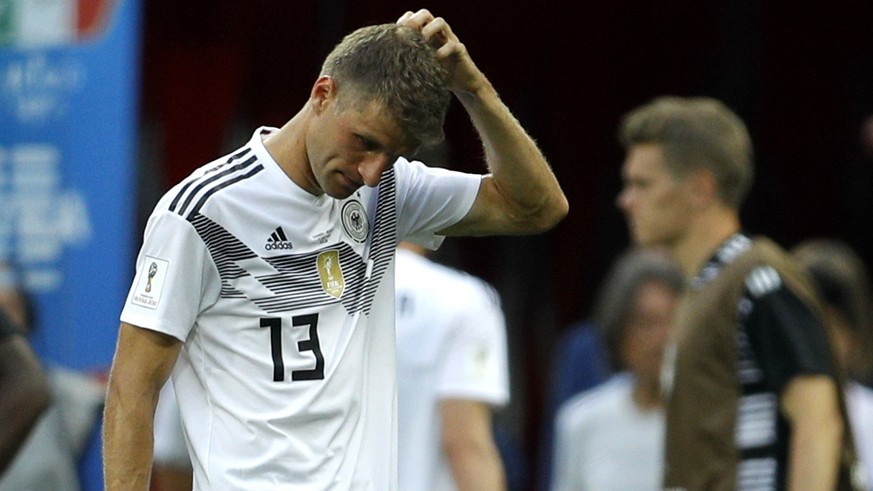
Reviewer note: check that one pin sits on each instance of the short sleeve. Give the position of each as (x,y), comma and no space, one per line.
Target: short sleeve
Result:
(173,270)
(788,339)
(431,199)
(476,367)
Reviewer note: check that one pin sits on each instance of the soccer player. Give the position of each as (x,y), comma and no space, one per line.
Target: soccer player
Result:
(265,280)
(754,395)
(452,371)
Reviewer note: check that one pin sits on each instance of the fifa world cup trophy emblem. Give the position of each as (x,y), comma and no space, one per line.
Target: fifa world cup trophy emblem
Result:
(331,273)
(327,264)
(153,270)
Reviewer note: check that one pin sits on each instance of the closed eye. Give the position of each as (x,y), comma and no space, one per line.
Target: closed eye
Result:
(368,144)
(637,182)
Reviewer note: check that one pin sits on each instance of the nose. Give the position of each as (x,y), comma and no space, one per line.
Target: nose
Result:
(622,201)
(372,167)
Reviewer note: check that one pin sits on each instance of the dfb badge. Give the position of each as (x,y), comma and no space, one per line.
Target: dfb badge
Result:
(355,221)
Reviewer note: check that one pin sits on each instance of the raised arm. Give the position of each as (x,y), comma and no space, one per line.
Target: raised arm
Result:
(143,362)
(521,194)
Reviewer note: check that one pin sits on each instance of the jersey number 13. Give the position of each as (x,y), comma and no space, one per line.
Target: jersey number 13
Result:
(311,344)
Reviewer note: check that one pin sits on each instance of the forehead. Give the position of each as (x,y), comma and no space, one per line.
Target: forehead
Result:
(373,120)
(645,160)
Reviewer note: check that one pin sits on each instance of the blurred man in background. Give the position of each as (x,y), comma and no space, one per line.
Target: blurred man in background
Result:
(452,371)
(754,394)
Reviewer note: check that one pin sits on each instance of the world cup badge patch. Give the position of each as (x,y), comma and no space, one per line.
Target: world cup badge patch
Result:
(331,273)
(355,221)
(150,283)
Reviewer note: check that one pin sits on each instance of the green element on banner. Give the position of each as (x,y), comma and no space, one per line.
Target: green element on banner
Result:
(7,22)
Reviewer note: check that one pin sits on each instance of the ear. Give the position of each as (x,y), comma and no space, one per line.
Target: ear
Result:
(323,92)
(704,187)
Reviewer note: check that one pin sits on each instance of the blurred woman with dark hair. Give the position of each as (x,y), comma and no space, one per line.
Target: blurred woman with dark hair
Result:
(841,278)
(611,436)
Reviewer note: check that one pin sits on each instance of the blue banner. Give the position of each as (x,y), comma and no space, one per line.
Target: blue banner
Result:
(68,120)
(69,81)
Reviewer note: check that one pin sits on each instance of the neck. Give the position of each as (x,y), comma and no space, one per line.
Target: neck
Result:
(711,229)
(288,148)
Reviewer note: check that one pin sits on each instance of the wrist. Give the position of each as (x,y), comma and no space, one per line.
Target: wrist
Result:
(477,92)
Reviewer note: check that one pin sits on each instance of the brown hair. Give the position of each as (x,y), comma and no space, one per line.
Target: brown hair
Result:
(393,65)
(840,276)
(618,294)
(696,133)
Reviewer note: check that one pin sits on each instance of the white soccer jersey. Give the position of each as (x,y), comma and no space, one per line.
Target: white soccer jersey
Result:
(285,302)
(451,344)
(170,448)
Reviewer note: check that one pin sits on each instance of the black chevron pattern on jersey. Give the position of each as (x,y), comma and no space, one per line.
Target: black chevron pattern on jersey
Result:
(194,178)
(384,240)
(291,281)
(223,184)
(214,180)
(297,285)
(226,252)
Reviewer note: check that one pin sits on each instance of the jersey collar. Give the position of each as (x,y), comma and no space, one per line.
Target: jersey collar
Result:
(725,254)
(280,177)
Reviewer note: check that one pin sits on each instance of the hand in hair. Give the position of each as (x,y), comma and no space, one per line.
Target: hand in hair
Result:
(464,76)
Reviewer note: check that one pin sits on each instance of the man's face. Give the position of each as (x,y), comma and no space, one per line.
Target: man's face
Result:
(657,206)
(351,148)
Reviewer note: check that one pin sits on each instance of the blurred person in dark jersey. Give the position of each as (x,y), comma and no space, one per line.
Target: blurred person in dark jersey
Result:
(754,397)
(841,278)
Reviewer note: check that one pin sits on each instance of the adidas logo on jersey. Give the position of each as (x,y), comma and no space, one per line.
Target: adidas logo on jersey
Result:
(278,240)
